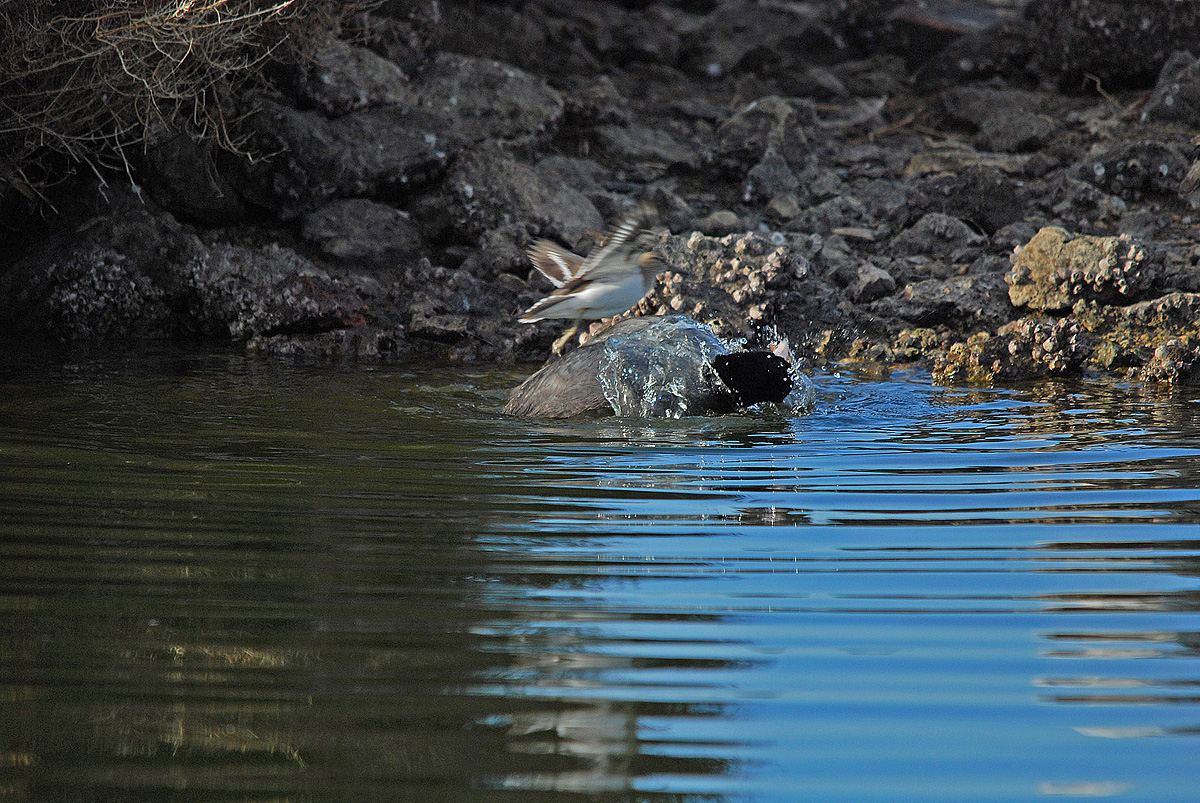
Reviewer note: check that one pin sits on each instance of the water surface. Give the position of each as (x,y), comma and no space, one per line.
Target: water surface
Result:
(222,580)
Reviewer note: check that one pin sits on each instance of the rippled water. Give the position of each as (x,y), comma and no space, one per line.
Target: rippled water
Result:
(221,580)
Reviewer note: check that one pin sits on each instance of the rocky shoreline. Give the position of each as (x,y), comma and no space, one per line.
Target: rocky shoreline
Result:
(985,189)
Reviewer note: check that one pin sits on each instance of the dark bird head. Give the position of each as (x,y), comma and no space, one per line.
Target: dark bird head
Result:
(754,376)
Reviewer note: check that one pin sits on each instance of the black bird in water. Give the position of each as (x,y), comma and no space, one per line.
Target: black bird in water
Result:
(653,366)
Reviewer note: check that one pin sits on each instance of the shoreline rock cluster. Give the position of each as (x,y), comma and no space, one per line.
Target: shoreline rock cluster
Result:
(882,185)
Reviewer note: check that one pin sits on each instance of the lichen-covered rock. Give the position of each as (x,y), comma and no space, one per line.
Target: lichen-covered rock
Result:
(239,292)
(1173,311)
(1129,337)
(91,293)
(142,275)
(911,345)
(1055,269)
(731,282)
(375,343)
(1175,362)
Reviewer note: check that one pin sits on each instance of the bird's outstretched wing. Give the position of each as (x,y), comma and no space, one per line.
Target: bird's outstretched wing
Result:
(554,262)
(621,247)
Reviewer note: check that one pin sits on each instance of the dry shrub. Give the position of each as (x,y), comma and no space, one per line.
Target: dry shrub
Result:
(89,79)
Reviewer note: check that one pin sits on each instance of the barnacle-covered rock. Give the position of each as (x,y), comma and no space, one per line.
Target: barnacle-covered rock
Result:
(1023,349)
(748,269)
(1055,269)
(1175,362)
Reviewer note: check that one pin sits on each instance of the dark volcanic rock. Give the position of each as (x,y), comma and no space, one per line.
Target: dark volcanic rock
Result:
(1004,50)
(986,196)
(369,152)
(194,181)
(344,78)
(363,233)
(489,190)
(866,211)
(844,210)
(966,301)
(870,283)
(770,178)
(936,234)
(387,150)
(1120,42)
(595,101)
(769,123)
(742,36)
(1176,97)
(454,315)
(136,274)
(488,99)
(1007,120)
(1133,169)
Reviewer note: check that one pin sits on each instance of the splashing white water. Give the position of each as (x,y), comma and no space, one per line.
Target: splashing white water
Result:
(666,371)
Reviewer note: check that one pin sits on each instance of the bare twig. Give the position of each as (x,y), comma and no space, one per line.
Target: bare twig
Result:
(91,79)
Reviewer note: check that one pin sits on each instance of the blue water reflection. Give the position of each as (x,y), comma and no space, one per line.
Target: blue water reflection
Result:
(228,581)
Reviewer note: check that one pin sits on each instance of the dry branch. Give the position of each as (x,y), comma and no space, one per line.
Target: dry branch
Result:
(91,79)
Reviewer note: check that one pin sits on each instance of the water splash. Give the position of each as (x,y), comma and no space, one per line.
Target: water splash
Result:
(666,371)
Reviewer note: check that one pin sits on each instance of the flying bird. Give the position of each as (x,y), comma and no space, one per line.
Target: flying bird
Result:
(614,277)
